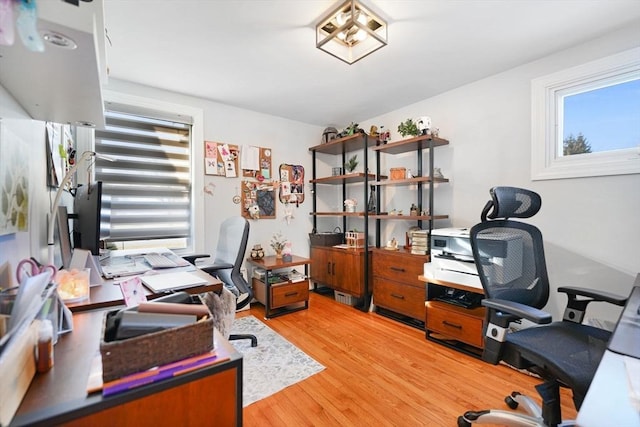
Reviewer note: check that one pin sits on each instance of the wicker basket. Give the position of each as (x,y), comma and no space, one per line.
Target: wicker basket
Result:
(124,357)
(326,238)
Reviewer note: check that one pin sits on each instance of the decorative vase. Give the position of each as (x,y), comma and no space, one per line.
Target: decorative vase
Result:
(371,206)
(279,254)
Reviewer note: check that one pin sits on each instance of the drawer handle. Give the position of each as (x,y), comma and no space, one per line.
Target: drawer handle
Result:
(453,325)
(290,294)
(400,269)
(397,296)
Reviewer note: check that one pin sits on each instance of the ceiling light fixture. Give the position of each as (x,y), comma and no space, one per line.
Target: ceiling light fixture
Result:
(351,32)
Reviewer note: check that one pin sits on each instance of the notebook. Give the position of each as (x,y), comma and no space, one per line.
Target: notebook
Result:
(159,283)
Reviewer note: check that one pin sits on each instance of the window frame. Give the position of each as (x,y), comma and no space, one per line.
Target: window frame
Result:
(197,147)
(546,139)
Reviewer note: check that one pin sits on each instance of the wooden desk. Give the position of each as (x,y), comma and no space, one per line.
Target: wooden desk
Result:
(457,327)
(208,397)
(608,400)
(285,297)
(108,294)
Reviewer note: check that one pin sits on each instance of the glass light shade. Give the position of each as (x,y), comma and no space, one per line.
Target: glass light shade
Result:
(351,32)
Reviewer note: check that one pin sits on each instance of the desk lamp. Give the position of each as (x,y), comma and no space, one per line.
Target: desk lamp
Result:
(54,208)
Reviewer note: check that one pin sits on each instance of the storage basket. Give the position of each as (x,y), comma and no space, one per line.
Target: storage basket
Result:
(398,173)
(124,357)
(343,298)
(326,238)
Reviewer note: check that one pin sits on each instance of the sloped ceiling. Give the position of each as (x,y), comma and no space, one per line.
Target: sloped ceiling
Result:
(260,54)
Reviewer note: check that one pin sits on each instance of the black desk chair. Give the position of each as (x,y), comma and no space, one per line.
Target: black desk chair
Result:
(510,259)
(230,252)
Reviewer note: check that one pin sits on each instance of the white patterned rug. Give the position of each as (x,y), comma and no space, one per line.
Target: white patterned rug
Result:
(271,366)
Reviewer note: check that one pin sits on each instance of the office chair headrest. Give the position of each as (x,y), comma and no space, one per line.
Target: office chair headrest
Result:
(511,202)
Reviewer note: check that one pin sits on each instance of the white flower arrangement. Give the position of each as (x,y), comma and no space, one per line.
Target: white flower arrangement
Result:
(350,202)
(278,242)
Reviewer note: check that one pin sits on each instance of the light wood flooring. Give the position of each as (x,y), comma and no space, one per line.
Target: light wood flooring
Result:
(380,372)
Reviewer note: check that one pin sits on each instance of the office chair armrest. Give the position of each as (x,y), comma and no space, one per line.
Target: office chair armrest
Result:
(596,295)
(576,308)
(518,310)
(212,268)
(191,259)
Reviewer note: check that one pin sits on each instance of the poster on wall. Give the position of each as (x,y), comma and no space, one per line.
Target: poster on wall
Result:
(291,183)
(258,200)
(14,183)
(220,159)
(256,162)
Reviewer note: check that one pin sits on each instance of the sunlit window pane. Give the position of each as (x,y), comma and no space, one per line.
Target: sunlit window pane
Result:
(603,119)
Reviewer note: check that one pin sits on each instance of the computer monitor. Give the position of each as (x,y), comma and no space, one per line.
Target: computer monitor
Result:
(86,226)
(64,238)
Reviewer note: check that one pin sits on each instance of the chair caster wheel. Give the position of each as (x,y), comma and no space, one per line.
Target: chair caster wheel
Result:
(462,422)
(510,401)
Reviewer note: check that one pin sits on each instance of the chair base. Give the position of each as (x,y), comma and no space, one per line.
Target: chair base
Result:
(253,338)
(532,418)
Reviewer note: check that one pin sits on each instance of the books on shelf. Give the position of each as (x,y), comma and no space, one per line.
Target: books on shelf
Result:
(419,242)
(295,276)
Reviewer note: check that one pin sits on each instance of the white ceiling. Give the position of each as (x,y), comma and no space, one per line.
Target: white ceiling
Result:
(260,54)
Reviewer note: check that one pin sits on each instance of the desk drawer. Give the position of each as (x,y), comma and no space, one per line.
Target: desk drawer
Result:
(398,297)
(400,267)
(287,294)
(455,323)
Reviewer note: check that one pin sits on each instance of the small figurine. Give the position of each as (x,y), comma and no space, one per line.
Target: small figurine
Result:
(413,211)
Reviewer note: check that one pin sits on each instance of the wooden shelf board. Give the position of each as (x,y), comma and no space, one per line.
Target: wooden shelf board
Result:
(409,181)
(337,213)
(339,179)
(344,145)
(409,217)
(418,143)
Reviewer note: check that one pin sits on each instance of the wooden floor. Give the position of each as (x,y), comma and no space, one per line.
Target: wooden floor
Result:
(380,372)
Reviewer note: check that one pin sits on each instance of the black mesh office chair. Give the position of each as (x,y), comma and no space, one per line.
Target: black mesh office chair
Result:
(230,252)
(510,259)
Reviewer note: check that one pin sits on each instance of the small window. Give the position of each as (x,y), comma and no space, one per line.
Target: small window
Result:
(586,120)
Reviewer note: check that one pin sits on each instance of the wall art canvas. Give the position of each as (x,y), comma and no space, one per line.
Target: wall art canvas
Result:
(14,183)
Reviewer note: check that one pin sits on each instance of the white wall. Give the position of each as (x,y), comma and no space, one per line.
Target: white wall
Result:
(289,142)
(30,134)
(591,226)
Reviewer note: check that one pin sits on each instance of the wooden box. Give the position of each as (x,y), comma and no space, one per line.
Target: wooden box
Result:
(124,357)
(17,368)
(398,173)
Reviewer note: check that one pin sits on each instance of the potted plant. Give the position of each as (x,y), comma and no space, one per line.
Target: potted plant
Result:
(408,128)
(350,205)
(351,165)
(278,243)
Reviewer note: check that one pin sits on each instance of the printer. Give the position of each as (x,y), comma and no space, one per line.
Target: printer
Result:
(452,257)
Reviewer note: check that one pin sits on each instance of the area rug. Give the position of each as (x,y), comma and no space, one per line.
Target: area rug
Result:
(271,366)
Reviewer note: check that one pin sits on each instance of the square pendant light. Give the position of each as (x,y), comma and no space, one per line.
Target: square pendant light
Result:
(351,32)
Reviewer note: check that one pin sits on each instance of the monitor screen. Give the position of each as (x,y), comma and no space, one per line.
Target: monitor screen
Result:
(86,207)
(63,237)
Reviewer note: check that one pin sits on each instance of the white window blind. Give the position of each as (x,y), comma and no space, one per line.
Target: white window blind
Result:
(148,186)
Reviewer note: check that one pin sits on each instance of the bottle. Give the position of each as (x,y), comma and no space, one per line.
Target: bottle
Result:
(45,346)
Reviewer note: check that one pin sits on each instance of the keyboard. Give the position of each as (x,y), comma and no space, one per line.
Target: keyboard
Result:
(159,261)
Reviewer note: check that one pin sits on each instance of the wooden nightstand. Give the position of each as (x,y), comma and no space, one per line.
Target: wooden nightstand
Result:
(284,296)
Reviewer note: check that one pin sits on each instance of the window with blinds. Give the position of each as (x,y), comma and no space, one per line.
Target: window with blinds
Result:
(147,188)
